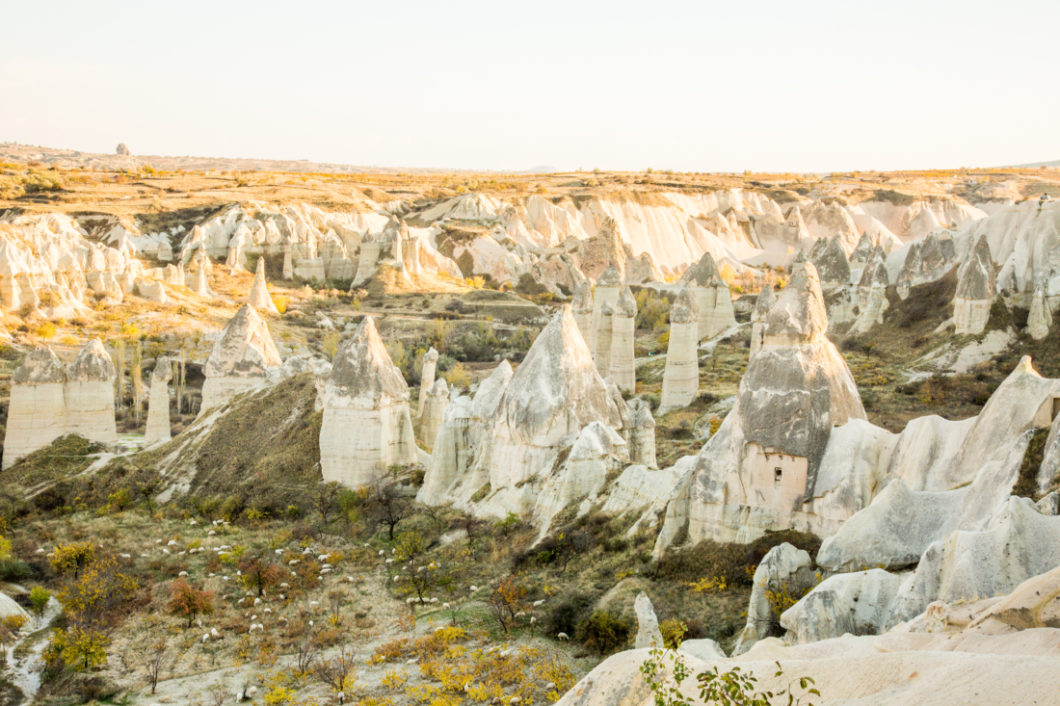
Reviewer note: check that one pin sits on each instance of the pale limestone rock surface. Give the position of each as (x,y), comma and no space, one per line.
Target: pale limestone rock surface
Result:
(50,400)
(925,260)
(1040,318)
(366,426)
(259,296)
(623,330)
(830,259)
(608,289)
(582,305)
(872,293)
(240,359)
(581,478)
(648,634)
(975,290)
(753,474)
(427,374)
(553,394)
(437,399)
(681,375)
(782,568)
(460,460)
(857,603)
(641,490)
(642,433)
(766,298)
(157,428)
(713,300)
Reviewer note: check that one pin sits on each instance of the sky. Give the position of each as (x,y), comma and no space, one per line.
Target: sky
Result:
(691,86)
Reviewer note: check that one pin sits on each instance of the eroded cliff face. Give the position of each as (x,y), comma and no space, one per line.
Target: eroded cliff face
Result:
(50,400)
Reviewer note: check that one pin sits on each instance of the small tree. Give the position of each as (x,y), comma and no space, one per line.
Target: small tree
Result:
(337,672)
(79,648)
(72,558)
(259,574)
(327,500)
(187,601)
(39,597)
(155,660)
(507,601)
(387,503)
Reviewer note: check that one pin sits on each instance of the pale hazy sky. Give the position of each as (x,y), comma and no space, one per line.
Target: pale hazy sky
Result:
(692,86)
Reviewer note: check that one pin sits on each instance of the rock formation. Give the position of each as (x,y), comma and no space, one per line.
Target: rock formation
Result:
(50,400)
(259,297)
(713,301)
(765,301)
(582,304)
(605,301)
(533,443)
(427,373)
(975,290)
(366,426)
(158,428)
(200,274)
(830,259)
(642,433)
(460,459)
(623,328)
(648,633)
(240,358)
(926,260)
(433,413)
(1040,318)
(872,293)
(761,465)
(681,376)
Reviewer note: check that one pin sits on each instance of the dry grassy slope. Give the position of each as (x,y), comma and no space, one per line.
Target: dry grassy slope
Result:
(264,450)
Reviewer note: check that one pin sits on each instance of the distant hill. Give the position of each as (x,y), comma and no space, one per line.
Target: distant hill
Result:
(1033,165)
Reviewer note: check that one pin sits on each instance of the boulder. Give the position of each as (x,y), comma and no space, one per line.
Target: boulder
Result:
(648,634)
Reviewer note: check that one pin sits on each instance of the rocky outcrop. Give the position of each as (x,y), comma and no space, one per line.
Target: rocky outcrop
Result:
(755,473)
(623,330)
(681,375)
(259,297)
(430,421)
(605,301)
(759,314)
(199,281)
(975,290)
(240,359)
(830,259)
(582,305)
(50,400)
(783,568)
(459,467)
(713,300)
(1040,318)
(648,633)
(427,373)
(157,428)
(642,433)
(872,293)
(859,603)
(366,426)
(545,438)
(925,260)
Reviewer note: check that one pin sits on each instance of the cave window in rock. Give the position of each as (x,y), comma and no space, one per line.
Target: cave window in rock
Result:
(778,473)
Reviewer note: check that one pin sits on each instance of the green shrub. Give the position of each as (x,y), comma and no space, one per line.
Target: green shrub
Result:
(603,632)
(568,612)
